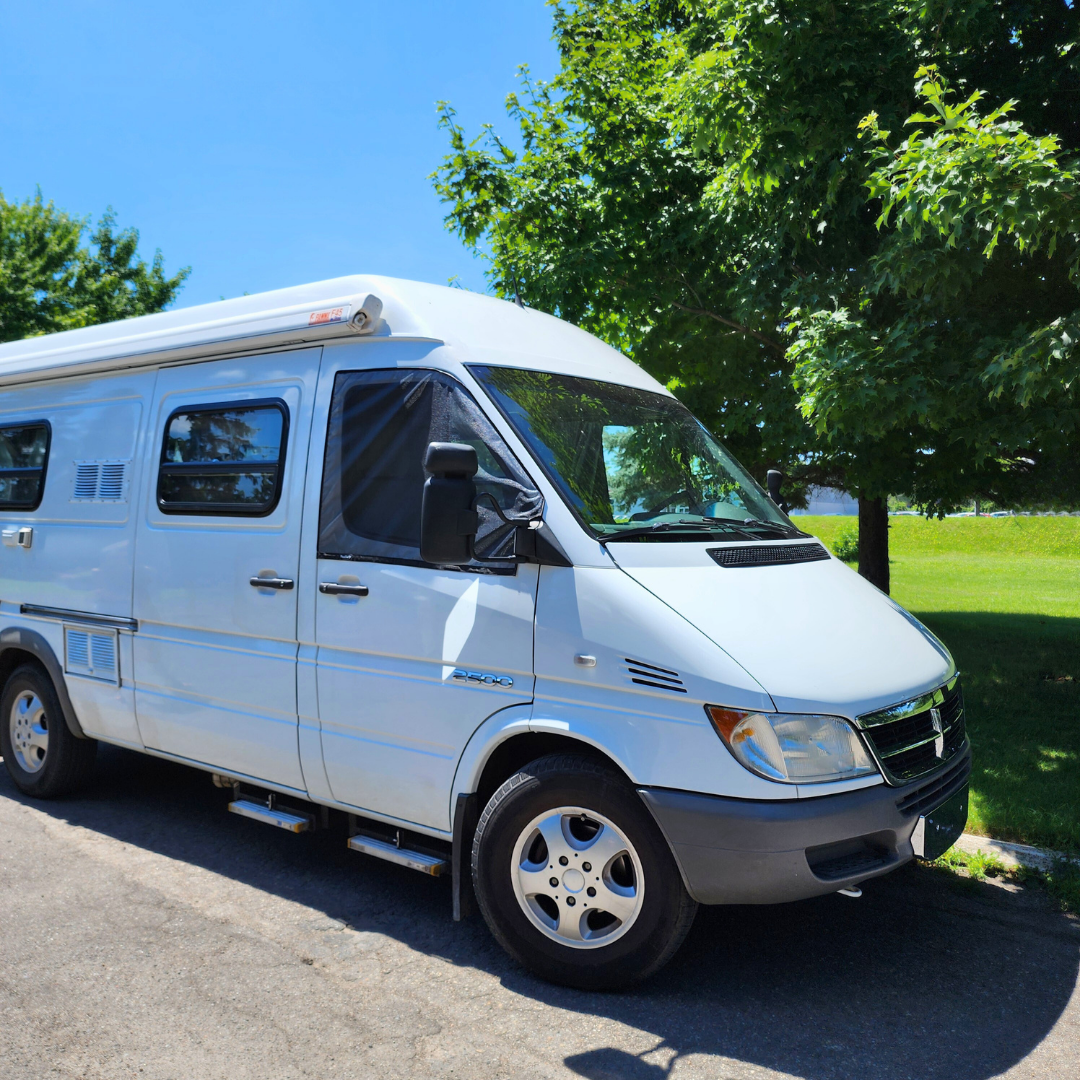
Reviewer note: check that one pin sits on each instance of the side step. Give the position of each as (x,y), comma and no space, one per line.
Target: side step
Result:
(281,819)
(415,860)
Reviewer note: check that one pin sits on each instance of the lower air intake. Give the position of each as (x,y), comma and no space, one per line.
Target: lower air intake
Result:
(768,554)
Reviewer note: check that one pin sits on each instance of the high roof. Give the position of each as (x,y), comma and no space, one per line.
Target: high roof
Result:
(482,325)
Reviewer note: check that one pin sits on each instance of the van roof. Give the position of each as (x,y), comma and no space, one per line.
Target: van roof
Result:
(492,330)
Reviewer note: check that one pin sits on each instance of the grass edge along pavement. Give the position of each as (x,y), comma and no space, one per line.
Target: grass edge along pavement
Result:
(1004,596)
(1060,878)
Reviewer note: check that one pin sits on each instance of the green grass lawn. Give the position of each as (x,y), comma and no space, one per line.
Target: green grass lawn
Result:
(1004,595)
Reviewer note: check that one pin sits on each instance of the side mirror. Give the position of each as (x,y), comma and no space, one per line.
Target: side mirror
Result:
(774,478)
(448,520)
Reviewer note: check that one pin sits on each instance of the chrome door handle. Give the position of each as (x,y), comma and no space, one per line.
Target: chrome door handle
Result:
(19,536)
(332,588)
(272,582)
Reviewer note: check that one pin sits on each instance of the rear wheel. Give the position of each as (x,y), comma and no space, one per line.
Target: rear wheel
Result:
(42,756)
(575,879)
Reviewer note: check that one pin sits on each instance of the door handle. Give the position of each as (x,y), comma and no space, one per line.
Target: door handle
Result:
(272,582)
(333,588)
(19,536)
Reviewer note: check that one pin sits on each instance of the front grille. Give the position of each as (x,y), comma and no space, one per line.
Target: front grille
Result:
(942,788)
(919,736)
(768,554)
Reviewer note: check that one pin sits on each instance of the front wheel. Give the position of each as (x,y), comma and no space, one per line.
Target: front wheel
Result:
(574,877)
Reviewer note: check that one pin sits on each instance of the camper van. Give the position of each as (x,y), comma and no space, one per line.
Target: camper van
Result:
(454,578)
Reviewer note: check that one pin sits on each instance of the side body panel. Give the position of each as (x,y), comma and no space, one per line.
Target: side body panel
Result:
(215,658)
(660,737)
(82,545)
(392,718)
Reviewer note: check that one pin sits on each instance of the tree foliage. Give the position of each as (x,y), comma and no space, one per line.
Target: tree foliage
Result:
(731,192)
(50,280)
(980,266)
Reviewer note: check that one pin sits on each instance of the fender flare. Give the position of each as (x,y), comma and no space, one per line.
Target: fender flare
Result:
(30,641)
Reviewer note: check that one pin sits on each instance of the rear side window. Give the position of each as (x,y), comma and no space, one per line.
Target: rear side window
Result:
(224,459)
(24,453)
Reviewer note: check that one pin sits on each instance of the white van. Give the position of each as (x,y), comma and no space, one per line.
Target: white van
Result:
(466,575)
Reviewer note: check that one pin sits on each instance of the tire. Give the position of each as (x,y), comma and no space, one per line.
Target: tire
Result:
(42,757)
(570,807)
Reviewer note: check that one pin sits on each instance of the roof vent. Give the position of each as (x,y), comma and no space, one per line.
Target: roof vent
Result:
(768,554)
(657,677)
(100,481)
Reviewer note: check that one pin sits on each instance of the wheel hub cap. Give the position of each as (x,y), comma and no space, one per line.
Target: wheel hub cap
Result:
(577,877)
(29,731)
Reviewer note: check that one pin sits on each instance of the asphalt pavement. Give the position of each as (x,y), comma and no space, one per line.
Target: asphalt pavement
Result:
(146,932)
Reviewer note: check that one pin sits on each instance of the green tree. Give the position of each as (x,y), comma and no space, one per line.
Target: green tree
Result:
(980,264)
(50,280)
(693,187)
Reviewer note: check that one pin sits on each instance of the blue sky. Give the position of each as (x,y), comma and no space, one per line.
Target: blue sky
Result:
(263,144)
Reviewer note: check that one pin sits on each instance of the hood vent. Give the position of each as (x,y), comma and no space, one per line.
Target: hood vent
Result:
(657,677)
(768,554)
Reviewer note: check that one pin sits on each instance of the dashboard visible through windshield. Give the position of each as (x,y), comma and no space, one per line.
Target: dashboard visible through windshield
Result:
(634,465)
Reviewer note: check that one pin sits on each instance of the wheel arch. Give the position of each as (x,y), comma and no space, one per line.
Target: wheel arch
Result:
(19,646)
(517,751)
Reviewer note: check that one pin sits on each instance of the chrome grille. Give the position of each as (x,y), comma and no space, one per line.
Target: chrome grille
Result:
(918,736)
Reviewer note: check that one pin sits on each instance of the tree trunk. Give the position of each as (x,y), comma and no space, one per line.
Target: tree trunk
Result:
(874,542)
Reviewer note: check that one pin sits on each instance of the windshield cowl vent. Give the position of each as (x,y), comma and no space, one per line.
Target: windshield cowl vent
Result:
(768,554)
(657,677)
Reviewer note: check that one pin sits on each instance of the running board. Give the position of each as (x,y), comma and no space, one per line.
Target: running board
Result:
(415,860)
(280,819)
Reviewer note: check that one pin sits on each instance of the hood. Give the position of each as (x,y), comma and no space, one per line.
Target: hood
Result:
(815,635)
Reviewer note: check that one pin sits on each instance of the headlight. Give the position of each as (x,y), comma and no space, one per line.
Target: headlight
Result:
(792,748)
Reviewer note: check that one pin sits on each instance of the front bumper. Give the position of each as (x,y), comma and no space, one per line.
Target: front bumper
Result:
(737,851)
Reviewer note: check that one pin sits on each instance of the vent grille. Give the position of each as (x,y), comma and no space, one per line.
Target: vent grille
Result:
(768,554)
(91,653)
(100,481)
(939,790)
(864,860)
(86,479)
(915,738)
(657,677)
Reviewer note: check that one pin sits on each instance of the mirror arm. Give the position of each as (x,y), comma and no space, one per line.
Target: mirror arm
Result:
(528,543)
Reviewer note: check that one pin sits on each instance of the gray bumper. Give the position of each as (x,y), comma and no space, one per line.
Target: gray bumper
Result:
(736,851)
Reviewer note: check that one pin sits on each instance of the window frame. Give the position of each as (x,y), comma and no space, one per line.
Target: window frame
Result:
(506,567)
(7,474)
(166,468)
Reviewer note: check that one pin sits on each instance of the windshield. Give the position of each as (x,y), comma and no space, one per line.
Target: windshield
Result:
(632,463)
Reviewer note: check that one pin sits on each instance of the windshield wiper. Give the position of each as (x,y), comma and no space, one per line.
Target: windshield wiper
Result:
(778,526)
(669,526)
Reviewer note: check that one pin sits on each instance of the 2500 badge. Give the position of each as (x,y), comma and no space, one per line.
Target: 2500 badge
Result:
(482,678)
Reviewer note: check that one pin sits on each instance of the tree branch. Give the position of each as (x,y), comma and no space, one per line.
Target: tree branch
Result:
(768,342)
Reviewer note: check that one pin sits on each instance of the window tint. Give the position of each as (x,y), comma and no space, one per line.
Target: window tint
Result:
(223,459)
(24,452)
(380,425)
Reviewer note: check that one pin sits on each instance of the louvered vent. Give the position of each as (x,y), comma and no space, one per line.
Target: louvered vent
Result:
(768,554)
(91,653)
(86,479)
(100,481)
(657,677)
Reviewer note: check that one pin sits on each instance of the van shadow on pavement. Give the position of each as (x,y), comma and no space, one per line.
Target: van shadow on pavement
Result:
(926,976)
